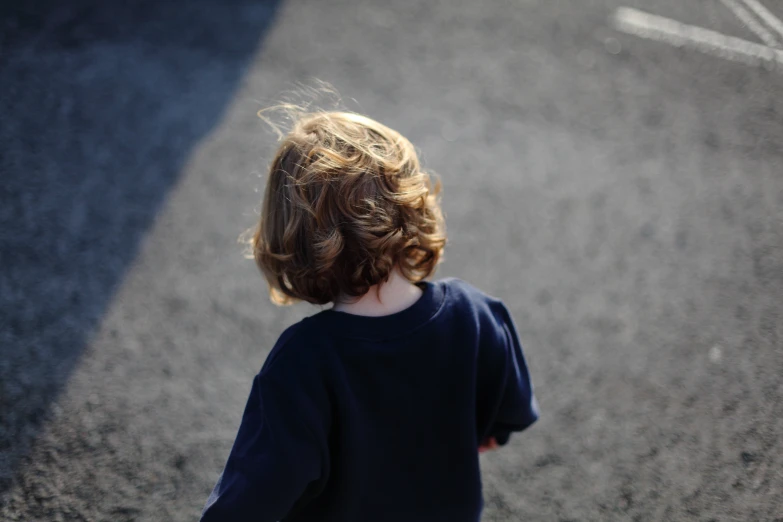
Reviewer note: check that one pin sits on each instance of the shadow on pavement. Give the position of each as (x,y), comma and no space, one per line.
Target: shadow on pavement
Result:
(101,104)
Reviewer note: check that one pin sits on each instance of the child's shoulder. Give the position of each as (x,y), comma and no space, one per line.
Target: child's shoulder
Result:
(469,300)
(296,342)
(460,289)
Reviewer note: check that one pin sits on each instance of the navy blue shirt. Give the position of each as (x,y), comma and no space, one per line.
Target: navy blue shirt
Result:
(356,418)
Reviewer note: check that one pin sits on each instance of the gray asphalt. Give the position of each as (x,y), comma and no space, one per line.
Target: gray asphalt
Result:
(624,197)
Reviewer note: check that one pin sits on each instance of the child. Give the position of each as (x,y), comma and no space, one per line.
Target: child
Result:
(372,410)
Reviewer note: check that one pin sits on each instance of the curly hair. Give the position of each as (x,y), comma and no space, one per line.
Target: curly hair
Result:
(346,202)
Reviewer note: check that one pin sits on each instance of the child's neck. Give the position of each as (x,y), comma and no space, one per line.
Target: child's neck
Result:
(395,295)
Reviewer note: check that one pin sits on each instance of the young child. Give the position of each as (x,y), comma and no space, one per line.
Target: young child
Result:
(374,409)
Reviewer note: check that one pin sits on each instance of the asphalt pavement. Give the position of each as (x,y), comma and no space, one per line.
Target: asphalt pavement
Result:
(623,196)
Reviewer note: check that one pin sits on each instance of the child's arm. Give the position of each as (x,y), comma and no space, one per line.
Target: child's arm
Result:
(506,391)
(280,454)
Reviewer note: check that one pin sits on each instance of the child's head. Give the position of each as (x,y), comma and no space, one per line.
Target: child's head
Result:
(346,202)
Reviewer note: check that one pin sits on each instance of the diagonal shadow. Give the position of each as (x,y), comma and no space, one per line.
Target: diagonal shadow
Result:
(101,103)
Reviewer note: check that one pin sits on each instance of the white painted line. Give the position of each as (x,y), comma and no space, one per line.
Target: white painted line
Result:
(751,23)
(765,14)
(646,25)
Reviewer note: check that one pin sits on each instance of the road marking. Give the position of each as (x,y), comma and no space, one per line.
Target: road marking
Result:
(764,13)
(751,23)
(646,25)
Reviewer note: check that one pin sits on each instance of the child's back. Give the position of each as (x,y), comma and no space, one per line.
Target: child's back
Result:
(359,416)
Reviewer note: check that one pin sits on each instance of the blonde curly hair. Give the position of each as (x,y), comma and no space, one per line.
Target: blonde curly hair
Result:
(346,202)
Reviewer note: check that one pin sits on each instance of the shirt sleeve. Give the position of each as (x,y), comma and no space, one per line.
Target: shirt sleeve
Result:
(512,401)
(280,456)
